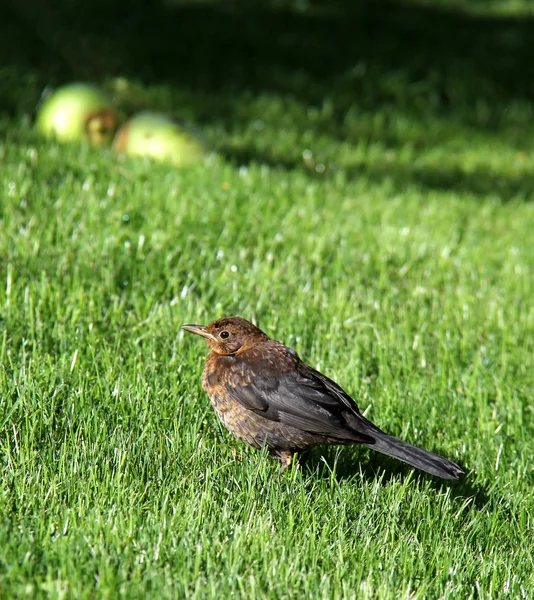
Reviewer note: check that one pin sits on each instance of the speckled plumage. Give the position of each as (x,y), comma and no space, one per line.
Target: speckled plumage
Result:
(223,373)
(265,395)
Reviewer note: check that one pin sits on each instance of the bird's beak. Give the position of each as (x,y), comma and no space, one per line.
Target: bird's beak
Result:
(198,330)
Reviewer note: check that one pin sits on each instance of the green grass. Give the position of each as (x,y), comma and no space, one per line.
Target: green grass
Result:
(378,219)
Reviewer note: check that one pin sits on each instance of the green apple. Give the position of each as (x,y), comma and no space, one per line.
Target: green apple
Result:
(78,111)
(159,137)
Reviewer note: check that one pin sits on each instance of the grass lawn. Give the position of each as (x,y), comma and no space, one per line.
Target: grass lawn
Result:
(372,207)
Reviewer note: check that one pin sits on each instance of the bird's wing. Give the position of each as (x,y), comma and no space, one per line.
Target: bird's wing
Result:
(297,396)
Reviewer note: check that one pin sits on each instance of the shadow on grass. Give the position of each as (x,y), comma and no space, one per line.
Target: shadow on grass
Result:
(365,51)
(479,182)
(340,58)
(482,183)
(346,465)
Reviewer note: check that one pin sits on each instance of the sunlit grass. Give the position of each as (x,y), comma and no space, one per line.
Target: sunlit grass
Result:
(391,247)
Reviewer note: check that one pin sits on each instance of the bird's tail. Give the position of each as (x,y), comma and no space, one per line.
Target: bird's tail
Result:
(414,456)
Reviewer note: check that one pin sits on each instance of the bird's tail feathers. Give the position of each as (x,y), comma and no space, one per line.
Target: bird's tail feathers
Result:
(414,456)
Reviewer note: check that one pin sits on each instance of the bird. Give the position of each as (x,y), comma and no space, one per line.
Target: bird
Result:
(266,396)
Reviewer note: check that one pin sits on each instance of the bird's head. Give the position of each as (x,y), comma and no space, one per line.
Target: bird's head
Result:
(229,335)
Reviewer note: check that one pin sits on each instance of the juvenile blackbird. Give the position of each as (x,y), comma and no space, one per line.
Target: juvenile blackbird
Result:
(266,396)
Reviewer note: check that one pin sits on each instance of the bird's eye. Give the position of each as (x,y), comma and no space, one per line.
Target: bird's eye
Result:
(224,335)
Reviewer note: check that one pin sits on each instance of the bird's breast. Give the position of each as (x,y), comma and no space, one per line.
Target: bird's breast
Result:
(217,372)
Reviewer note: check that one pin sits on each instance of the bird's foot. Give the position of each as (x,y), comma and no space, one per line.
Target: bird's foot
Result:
(286,457)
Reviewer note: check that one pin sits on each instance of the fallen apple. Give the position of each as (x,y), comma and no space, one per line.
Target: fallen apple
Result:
(78,111)
(159,137)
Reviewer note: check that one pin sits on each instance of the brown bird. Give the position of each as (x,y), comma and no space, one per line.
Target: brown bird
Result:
(266,396)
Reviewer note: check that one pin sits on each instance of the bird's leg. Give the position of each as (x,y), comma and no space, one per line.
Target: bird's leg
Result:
(303,456)
(286,456)
(235,455)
